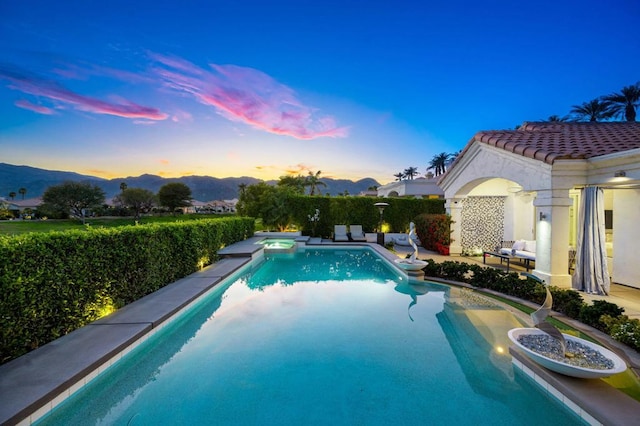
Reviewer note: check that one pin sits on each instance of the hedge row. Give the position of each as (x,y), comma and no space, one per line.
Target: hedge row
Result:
(53,283)
(606,317)
(358,210)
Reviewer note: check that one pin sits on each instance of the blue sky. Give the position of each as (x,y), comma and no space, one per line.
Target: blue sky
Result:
(266,88)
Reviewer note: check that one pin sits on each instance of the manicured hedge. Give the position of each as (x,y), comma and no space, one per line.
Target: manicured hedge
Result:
(358,211)
(52,283)
(605,316)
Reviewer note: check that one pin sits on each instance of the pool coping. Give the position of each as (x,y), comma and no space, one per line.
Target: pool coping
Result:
(30,388)
(593,400)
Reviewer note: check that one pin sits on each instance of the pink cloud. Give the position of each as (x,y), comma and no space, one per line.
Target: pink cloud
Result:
(247,95)
(23,103)
(55,92)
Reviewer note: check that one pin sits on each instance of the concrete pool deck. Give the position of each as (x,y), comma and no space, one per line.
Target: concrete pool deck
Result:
(32,385)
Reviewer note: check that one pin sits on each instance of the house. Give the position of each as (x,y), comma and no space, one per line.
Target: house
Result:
(526,184)
(418,188)
(20,205)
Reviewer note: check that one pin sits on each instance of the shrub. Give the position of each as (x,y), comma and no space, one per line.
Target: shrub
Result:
(434,231)
(602,315)
(591,314)
(569,302)
(623,329)
(52,283)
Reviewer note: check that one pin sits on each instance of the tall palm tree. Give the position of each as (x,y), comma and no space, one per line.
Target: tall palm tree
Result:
(242,188)
(594,110)
(123,186)
(22,191)
(625,102)
(453,157)
(12,195)
(399,176)
(313,182)
(439,163)
(410,172)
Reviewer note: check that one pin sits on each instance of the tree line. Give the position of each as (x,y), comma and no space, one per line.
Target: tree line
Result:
(437,166)
(618,105)
(80,199)
(21,191)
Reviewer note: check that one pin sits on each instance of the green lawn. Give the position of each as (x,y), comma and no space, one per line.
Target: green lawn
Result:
(16,227)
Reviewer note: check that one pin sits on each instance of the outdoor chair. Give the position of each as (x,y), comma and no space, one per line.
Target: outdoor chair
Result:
(340,233)
(356,233)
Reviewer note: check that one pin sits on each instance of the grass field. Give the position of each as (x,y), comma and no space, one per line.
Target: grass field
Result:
(16,227)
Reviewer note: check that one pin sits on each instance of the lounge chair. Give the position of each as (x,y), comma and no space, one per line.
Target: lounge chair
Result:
(356,233)
(340,233)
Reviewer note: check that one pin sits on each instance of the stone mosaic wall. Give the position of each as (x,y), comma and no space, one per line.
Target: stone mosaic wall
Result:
(482,224)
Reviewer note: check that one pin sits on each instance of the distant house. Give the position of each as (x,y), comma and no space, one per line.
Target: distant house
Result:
(217,206)
(21,205)
(527,184)
(415,188)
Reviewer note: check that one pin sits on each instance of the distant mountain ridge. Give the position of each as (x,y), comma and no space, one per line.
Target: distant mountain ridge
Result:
(203,188)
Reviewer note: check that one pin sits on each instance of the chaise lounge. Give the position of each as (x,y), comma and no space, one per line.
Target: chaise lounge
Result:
(356,233)
(340,233)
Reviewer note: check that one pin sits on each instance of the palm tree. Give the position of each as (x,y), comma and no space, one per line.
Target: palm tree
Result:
(313,182)
(242,188)
(594,110)
(453,157)
(12,195)
(123,186)
(410,172)
(625,102)
(439,163)
(22,191)
(399,176)
(557,119)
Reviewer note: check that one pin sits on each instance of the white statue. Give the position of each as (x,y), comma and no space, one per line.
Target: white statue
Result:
(412,233)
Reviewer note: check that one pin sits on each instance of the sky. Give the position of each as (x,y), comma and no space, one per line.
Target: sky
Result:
(351,88)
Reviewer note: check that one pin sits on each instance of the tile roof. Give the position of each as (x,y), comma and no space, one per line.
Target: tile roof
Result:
(550,141)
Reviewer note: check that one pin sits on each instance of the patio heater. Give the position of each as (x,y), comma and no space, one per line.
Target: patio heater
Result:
(381,207)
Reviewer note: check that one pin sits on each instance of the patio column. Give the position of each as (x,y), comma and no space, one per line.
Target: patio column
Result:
(454,209)
(552,236)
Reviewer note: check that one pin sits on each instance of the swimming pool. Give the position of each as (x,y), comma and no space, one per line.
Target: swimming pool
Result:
(321,336)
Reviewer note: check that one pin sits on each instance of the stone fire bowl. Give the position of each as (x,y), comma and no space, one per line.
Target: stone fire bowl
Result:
(569,370)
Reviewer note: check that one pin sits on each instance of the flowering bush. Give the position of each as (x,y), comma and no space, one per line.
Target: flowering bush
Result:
(623,329)
(434,231)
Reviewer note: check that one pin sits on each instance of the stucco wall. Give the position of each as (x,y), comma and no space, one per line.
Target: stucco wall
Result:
(626,237)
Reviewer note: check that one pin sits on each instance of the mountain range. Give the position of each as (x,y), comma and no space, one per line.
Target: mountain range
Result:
(203,188)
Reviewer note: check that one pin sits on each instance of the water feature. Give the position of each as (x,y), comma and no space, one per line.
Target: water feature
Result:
(322,336)
(278,244)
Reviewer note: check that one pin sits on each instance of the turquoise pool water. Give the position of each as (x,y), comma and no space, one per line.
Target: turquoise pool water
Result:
(278,243)
(321,337)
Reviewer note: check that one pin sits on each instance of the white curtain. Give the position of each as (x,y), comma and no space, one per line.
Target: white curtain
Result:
(591,274)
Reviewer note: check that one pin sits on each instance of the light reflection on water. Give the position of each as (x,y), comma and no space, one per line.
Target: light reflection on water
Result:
(322,337)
